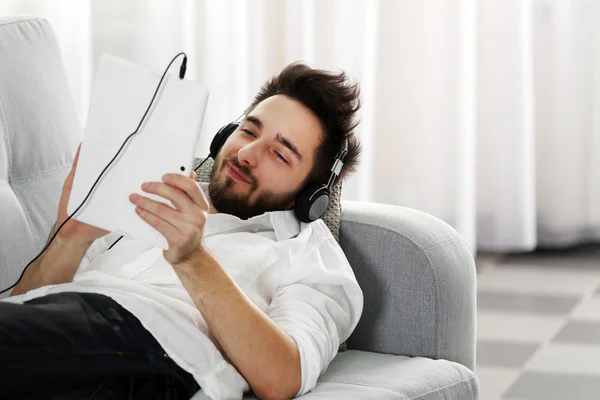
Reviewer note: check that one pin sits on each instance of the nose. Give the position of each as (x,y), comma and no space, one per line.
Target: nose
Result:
(248,154)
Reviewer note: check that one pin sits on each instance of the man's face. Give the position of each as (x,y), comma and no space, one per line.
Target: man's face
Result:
(264,163)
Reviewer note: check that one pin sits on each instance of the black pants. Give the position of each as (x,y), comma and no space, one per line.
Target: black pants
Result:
(83,346)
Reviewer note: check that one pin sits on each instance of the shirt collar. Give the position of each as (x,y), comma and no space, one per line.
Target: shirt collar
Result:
(284,223)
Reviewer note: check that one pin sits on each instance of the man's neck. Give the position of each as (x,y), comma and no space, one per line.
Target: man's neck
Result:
(212,210)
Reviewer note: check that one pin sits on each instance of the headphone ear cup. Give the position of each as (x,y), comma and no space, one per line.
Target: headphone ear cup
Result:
(220,138)
(312,202)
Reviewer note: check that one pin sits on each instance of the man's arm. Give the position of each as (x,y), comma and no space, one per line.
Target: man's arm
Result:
(263,353)
(57,264)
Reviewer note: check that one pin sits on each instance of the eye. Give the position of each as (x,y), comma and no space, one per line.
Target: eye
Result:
(278,154)
(248,132)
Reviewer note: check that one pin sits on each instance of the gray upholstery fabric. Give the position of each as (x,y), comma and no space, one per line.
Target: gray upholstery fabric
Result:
(203,174)
(418,279)
(38,138)
(360,375)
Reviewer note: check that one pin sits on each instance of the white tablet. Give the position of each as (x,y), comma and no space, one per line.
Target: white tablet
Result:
(165,143)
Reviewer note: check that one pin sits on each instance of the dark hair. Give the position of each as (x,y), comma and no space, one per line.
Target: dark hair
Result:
(334,100)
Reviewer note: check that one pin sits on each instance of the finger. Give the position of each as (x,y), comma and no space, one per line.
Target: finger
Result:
(68,184)
(188,186)
(178,197)
(177,219)
(166,229)
(76,155)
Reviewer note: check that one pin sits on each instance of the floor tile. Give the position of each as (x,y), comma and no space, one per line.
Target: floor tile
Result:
(523,300)
(582,257)
(537,280)
(494,381)
(588,309)
(495,325)
(537,304)
(504,354)
(566,358)
(580,332)
(545,386)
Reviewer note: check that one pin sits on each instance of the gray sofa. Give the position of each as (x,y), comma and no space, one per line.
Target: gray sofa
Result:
(416,338)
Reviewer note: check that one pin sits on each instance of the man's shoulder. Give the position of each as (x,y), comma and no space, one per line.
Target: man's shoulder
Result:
(316,231)
(316,237)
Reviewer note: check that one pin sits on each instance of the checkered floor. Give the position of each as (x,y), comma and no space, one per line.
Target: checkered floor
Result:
(539,325)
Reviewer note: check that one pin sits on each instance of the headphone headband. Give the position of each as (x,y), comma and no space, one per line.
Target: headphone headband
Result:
(338,164)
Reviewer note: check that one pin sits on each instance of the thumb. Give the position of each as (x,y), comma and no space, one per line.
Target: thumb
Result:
(77,155)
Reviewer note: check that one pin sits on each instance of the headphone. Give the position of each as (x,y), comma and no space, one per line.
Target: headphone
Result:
(313,199)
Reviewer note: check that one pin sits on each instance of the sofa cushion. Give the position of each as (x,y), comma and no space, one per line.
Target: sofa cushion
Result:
(359,375)
(362,376)
(39,133)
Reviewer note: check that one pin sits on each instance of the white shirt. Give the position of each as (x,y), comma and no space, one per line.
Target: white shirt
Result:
(294,272)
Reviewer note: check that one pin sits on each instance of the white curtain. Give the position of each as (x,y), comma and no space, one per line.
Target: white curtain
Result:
(484,113)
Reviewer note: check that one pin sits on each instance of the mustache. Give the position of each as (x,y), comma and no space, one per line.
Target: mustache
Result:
(242,168)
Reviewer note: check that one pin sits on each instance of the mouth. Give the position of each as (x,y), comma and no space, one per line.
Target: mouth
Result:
(235,173)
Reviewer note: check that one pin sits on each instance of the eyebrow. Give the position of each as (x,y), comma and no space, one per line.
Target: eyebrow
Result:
(280,138)
(255,121)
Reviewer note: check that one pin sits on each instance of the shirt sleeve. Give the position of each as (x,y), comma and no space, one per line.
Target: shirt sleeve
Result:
(318,305)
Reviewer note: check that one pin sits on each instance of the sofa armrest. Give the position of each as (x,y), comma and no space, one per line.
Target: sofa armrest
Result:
(419,282)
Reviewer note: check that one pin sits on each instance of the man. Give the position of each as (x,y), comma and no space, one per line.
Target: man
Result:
(245,298)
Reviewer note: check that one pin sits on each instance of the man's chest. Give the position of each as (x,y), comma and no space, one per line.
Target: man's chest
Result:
(254,261)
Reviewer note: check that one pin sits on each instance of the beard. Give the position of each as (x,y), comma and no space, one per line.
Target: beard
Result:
(225,200)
